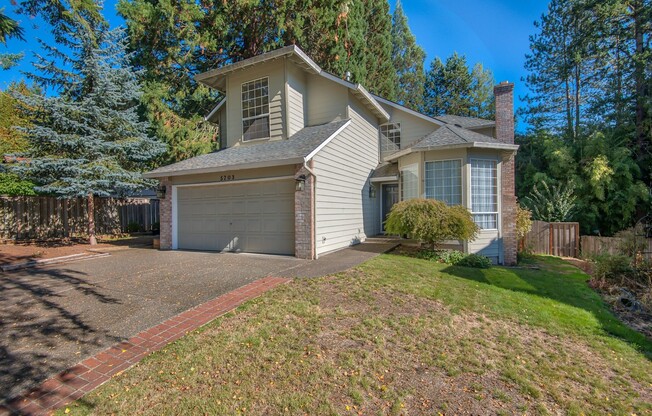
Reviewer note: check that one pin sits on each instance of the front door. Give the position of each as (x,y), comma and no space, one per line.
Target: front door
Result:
(390,197)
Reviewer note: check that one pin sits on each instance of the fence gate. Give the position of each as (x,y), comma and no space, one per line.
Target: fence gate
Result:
(553,238)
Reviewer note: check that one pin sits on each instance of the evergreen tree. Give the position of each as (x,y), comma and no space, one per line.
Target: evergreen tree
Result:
(482,93)
(452,88)
(88,141)
(381,75)
(9,28)
(434,103)
(407,58)
(171,41)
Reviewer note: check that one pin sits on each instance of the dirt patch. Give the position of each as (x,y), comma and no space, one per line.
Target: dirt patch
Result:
(23,252)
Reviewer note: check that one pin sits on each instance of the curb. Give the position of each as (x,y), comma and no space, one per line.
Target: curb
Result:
(54,260)
(73,383)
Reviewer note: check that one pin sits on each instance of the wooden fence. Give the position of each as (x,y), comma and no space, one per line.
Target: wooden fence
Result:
(553,238)
(592,245)
(35,218)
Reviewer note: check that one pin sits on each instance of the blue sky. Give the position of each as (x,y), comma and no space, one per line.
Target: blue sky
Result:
(493,32)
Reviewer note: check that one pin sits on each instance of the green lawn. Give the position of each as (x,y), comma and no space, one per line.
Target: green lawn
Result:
(399,335)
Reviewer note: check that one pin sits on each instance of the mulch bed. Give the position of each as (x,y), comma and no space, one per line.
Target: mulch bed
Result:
(20,252)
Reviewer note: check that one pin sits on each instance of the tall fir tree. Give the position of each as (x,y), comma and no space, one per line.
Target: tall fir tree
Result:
(381,75)
(407,58)
(451,88)
(88,140)
(482,93)
(434,103)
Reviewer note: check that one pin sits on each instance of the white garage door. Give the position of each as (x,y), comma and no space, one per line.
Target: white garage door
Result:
(255,217)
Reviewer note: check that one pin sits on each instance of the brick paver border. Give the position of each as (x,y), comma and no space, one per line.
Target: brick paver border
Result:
(94,371)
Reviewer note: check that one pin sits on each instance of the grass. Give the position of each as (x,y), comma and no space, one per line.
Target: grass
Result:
(400,335)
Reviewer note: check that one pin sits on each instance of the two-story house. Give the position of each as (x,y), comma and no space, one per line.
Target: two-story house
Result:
(311,163)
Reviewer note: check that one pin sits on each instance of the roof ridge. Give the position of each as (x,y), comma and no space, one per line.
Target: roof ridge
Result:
(457,134)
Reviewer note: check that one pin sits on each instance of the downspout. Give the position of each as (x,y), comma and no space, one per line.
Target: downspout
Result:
(313,207)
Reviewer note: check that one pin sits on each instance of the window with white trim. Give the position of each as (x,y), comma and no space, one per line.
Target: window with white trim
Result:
(444,181)
(409,182)
(255,109)
(484,193)
(390,137)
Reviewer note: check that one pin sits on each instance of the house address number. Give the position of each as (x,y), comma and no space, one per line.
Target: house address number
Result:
(225,178)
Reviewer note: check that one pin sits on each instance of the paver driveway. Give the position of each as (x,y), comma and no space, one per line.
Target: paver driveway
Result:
(52,317)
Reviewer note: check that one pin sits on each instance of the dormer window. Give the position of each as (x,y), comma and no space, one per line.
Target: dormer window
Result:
(255,109)
(390,137)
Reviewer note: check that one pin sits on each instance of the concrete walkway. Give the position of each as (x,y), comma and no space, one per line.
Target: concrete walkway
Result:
(53,317)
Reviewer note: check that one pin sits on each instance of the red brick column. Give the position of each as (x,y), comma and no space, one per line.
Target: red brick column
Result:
(165,214)
(304,215)
(504,94)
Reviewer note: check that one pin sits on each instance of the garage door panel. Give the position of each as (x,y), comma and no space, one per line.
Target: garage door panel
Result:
(252,217)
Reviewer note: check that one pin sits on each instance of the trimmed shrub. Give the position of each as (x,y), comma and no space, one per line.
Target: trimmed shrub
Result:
(475,260)
(431,221)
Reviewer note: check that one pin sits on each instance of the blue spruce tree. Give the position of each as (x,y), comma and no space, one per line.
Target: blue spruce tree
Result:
(88,140)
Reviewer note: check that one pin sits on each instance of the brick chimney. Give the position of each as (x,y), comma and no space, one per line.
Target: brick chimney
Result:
(504,96)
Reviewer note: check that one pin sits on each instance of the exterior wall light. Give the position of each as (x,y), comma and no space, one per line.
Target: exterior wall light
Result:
(160,191)
(372,191)
(300,184)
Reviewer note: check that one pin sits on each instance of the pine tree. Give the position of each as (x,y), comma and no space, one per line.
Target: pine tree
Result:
(88,141)
(407,58)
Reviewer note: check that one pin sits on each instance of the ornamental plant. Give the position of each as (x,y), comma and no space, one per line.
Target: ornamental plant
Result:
(431,221)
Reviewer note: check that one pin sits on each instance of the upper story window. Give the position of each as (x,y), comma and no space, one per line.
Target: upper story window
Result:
(444,181)
(484,193)
(255,109)
(390,137)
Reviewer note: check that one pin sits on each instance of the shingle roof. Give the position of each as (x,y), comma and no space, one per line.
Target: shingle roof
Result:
(297,147)
(448,135)
(385,170)
(466,122)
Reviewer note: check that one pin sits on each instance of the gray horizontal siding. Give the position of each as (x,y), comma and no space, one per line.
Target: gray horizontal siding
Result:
(344,212)
(296,99)
(326,101)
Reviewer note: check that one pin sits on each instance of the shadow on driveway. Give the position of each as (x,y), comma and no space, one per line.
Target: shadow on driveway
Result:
(33,320)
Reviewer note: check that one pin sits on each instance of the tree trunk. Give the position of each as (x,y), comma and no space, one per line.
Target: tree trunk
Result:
(91,220)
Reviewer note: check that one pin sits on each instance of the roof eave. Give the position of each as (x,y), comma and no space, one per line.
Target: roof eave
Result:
(477,145)
(408,110)
(207,77)
(239,166)
(215,110)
